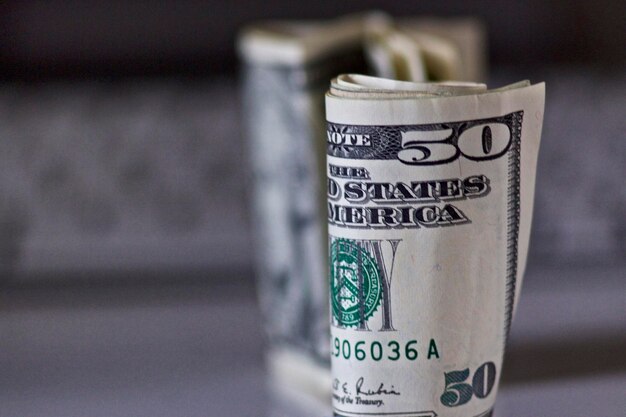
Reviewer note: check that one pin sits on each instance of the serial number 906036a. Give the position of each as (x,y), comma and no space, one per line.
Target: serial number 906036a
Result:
(392,350)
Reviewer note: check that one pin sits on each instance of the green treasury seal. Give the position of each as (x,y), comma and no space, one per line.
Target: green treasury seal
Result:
(354,282)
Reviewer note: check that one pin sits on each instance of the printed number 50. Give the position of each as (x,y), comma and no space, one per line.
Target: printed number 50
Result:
(457,392)
(432,147)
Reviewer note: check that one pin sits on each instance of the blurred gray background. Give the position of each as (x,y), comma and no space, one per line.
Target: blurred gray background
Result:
(126,286)
(121,145)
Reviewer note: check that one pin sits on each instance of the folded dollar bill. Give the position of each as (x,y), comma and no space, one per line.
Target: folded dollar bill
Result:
(430,195)
(288,66)
(420,49)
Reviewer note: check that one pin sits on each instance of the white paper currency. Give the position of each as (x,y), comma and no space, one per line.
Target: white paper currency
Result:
(288,67)
(430,196)
(463,57)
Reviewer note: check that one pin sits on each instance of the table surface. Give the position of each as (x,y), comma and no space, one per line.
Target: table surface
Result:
(195,348)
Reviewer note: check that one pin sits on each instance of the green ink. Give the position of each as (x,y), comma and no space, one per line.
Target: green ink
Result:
(355,289)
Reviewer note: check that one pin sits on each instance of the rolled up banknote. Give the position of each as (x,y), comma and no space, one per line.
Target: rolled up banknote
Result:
(430,194)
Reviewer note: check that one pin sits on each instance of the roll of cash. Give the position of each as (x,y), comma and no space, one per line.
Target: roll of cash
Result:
(288,66)
(430,194)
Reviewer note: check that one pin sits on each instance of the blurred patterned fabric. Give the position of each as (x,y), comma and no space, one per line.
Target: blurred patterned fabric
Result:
(139,176)
(152,175)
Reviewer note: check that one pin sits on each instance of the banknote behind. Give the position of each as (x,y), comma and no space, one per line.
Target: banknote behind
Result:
(430,195)
(287,69)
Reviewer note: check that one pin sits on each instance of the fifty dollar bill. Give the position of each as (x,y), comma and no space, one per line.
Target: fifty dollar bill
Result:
(430,195)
